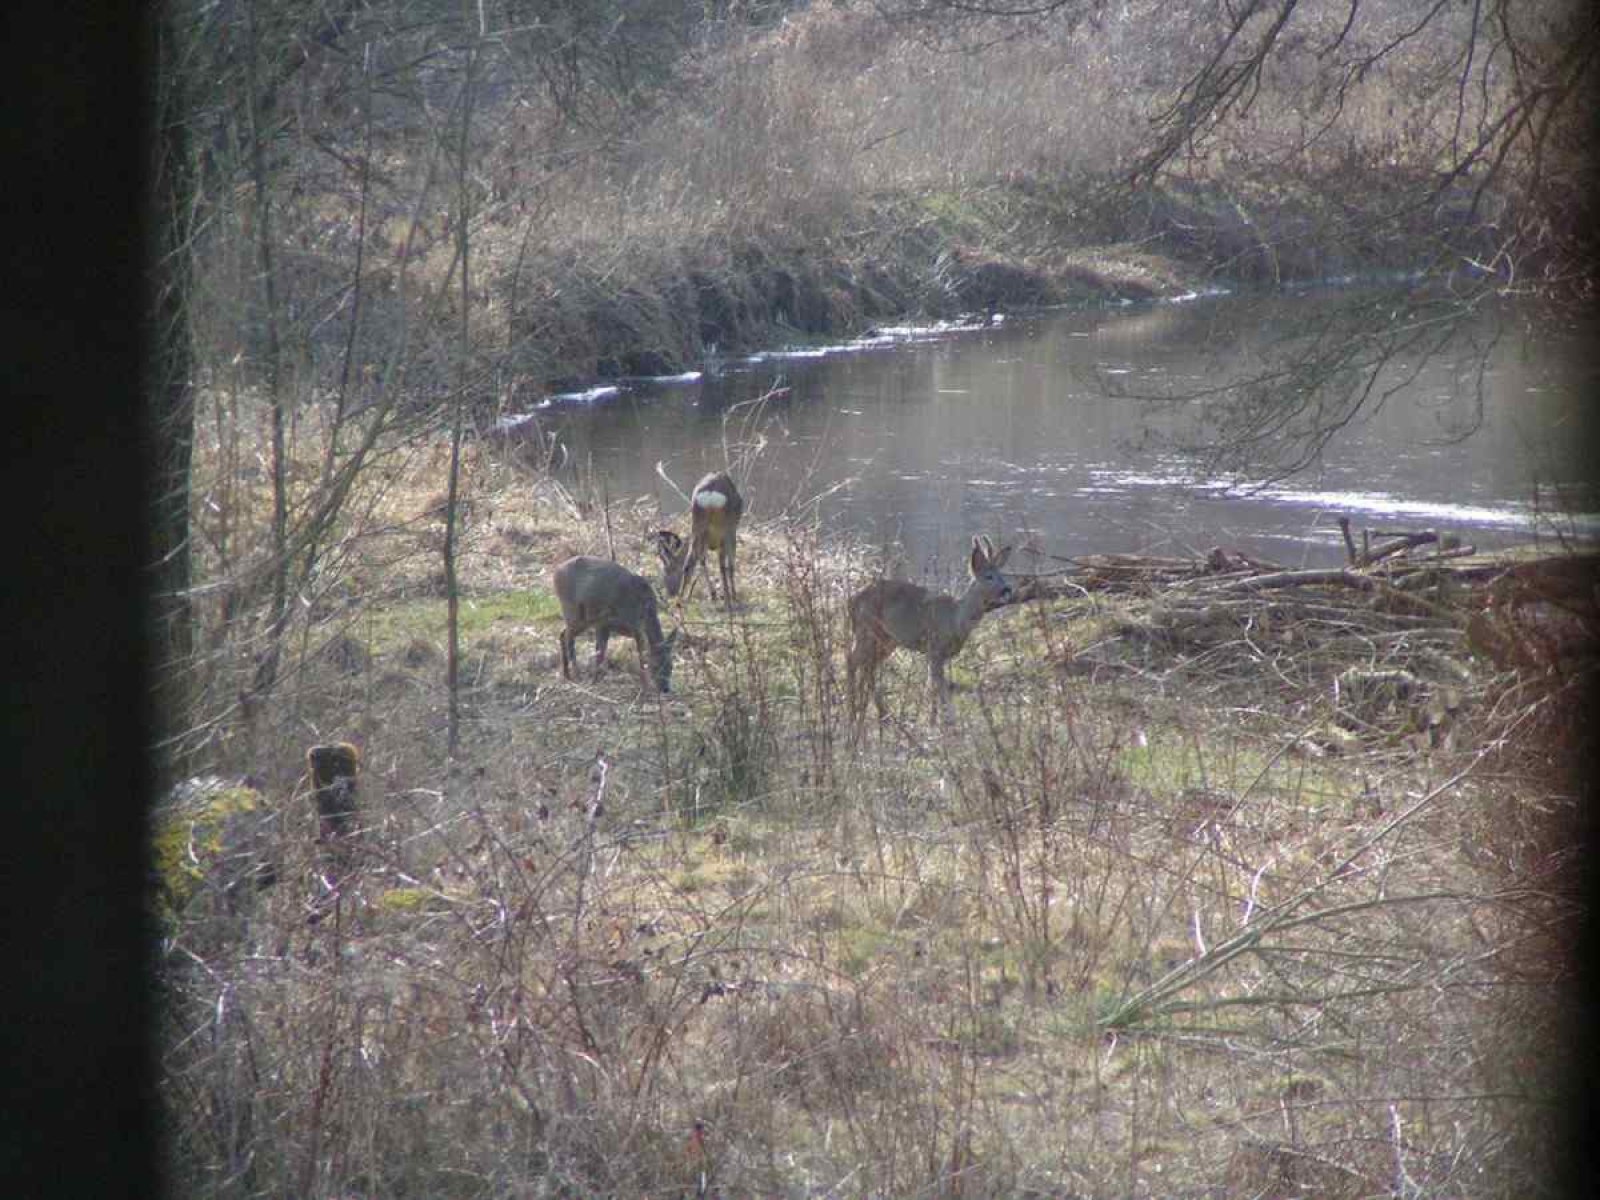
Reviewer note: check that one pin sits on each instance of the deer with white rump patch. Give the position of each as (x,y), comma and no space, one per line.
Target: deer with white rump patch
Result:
(715,507)
(892,614)
(597,594)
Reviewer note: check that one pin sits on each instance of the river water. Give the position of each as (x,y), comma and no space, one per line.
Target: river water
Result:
(1027,431)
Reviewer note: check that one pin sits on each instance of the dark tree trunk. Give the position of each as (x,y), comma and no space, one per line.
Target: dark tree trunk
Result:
(169,386)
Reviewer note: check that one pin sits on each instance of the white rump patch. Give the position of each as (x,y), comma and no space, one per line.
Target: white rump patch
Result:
(712,500)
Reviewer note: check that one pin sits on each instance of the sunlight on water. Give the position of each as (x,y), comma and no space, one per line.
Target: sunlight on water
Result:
(921,435)
(1455,515)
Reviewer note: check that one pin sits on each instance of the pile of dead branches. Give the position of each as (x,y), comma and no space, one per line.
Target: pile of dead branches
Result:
(1412,627)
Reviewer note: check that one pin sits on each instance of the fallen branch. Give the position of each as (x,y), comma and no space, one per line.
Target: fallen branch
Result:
(1403,541)
(1340,576)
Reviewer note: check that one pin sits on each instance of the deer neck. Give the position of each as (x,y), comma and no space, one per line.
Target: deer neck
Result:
(969,611)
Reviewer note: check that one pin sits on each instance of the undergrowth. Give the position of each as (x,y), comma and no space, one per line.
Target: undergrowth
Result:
(1083,936)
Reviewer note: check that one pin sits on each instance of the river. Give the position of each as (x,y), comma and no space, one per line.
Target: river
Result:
(1026,431)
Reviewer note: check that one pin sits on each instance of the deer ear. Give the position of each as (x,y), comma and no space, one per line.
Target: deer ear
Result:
(999,560)
(979,558)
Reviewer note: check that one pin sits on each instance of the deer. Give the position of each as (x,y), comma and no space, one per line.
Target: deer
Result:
(715,507)
(598,594)
(891,614)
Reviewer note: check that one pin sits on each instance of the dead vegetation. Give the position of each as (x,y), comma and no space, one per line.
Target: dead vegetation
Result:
(1217,879)
(1197,889)
(813,170)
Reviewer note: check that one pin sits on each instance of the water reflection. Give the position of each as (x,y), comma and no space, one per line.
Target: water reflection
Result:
(1019,429)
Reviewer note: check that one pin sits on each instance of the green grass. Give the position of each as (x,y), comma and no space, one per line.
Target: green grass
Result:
(393,627)
(698,907)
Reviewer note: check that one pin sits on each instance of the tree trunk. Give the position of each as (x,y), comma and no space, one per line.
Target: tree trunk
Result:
(266,674)
(463,374)
(170,374)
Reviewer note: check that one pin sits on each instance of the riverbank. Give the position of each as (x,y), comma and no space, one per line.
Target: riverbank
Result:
(1214,878)
(652,309)
(1182,817)
(809,174)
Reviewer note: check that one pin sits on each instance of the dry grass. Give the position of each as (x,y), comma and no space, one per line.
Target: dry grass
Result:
(829,172)
(1126,925)
(1113,929)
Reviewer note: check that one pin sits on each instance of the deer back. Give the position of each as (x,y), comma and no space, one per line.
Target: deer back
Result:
(596,593)
(929,622)
(593,591)
(905,614)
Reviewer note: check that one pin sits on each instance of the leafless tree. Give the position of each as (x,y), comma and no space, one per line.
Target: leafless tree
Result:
(1469,126)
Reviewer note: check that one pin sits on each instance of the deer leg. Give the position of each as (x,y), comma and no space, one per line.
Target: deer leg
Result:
(725,561)
(705,568)
(569,653)
(601,637)
(643,647)
(939,687)
(851,692)
(859,674)
(879,700)
(697,558)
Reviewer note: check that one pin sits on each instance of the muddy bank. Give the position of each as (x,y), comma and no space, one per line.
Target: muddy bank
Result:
(666,309)
(758,295)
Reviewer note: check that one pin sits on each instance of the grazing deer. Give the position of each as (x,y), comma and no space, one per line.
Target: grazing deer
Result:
(715,507)
(596,593)
(891,613)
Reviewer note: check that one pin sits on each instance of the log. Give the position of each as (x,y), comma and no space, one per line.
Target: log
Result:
(1340,576)
(1407,541)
